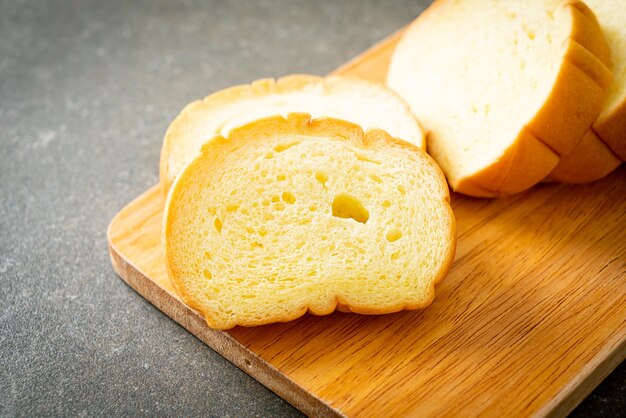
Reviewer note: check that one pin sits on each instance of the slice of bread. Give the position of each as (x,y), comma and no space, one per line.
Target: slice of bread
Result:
(367,104)
(504,87)
(604,145)
(286,216)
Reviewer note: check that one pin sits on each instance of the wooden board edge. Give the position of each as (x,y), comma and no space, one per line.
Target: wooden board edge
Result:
(373,50)
(589,377)
(220,341)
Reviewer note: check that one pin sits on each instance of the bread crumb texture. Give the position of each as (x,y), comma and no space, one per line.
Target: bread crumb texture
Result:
(289,215)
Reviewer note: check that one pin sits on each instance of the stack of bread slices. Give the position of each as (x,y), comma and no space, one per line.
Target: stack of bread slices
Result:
(516,92)
(311,194)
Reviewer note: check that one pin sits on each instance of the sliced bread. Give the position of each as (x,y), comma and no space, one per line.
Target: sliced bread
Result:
(604,145)
(286,216)
(370,105)
(504,87)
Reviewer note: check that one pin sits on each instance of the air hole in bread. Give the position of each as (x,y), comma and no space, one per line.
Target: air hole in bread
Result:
(321,177)
(395,256)
(376,178)
(289,198)
(402,189)
(280,177)
(394,235)
(269,155)
(232,207)
(207,274)
(385,204)
(312,208)
(218,225)
(346,206)
(279,206)
(285,146)
(365,158)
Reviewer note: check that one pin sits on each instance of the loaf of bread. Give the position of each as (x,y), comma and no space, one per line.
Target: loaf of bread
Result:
(285,216)
(504,87)
(604,146)
(367,104)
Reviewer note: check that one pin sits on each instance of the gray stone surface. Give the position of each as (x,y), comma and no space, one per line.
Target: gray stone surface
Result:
(87,89)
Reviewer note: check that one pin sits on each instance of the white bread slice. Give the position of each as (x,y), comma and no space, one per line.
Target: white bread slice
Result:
(293,215)
(504,87)
(604,145)
(370,105)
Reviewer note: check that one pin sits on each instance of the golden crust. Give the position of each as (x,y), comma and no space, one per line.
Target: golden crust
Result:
(592,159)
(612,130)
(301,123)
(520,167)
(258,88)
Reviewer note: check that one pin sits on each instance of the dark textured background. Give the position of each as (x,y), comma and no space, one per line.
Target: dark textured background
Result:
(87,89)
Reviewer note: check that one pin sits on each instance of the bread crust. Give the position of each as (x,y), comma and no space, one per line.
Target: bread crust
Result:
(559,125)
(256,89)
(612,130)
(301,123)
(591,160)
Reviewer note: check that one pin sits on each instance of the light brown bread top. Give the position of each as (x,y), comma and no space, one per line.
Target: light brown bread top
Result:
(286,216)
(504,88)
(604,146)
(370,105)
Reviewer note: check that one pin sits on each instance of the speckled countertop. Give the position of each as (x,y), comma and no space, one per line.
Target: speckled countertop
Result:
(87,89)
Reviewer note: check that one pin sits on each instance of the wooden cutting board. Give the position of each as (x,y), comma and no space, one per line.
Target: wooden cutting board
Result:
(530,319)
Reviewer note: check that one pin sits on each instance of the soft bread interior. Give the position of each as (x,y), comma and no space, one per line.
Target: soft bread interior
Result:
(366,104)
(289,215)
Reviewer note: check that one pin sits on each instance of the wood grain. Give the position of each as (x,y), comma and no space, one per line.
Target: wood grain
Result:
(530,319)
